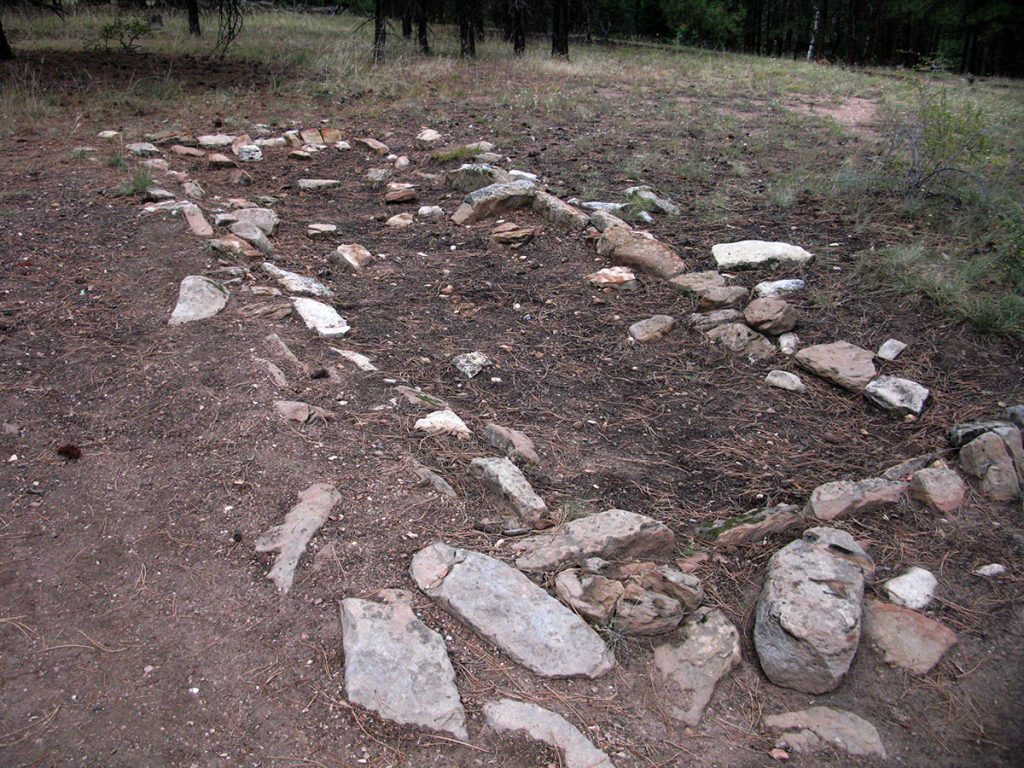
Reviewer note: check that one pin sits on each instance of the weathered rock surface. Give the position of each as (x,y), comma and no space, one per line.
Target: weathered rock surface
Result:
(914,589)
(320,317)
(785,380)
(591,595)
(296,410)
(264,218)
(398,667)
(508,716)
(469,364)
(253,235)
(198,298)
(443,422)
(758,254)
(317,185)
(769,315)
(773,289)
(696,283)
(845,730)
(742,339)
(656,577)
(513,443)
(612,534)
(940,488)
(142,149)
(377,147)
(897,396)
(558,211)
(906,638)
(419,400)
(494,200)
(845,497)
(503,478)
(652,329)
(291,537)
(620,278)
(890,350)
(961,434)
(196,221)
(296,283)
(511,234)
(789,343)
(646,197)
(321,231)
(808,618)
(602,220)
(634,249)
(753,526)
(705,321)
(644,612)
(351,256)
(470,177)
(997,461)
(506,608)
(427,476)
(722,297)
(691,670)
(844,364)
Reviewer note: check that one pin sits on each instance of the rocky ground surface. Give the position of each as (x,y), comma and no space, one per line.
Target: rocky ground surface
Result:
(328,453)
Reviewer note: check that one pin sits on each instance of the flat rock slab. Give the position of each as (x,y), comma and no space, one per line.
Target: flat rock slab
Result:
(619,278)
(291,537)
(504,606)
(938,487)
(398,667)
(296,283)
(844,364)
(494,200)
(198,298)
(264,218)
(845,497)
(906,638)
(513,443)
(442,422)
(635,249)
(808,620)
(752,526)
(740,338)
(320,317)
(520,717)
(696,283)
(690,670)
(913,589)
(845,730)
(612,534)
(317,185)
(503,478)
(758,254)
(707,321)
(652,329)
(899,397)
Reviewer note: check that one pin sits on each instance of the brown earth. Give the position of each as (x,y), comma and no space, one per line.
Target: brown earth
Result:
(137,626)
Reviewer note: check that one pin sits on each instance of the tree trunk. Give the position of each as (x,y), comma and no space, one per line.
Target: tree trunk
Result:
(560,28)
(194,29)
(6,54)
(467,32)
(815,31)
(380,31)
(519,27)
(407,20)
(421,27)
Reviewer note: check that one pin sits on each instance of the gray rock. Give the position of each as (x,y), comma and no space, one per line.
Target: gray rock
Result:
(907,639)
(254,236)
(427,476)
(808,618)
(705,321)
(634,249)
(961,434)
(591,595)
(643,612)
(685,588)
(772,289)
(469,364)
(317,185)
(785,380)
(602,220)
(264,218)
(652,329)
(773,316)
(443,422)
(559,212)
(844,730)
(291,537)
(1015,413)
(430,212)
(939,487)
(612,534)
(198,298)
(506,608)
(897,396)
(696,283)
(914,589)
(398,667)
(647,197)
(503,478)
(296,283)
(742,339)
(249,153)
(691,670)
(215,141)
(320,317)
(905,469)
(351,256)
(722,297)
(890,350)
(846,497)
(508,716)
(996,460)
(844,364)
(494,200)
(513,443)
(758,254)
(321,231)
(789,343)
(142,149)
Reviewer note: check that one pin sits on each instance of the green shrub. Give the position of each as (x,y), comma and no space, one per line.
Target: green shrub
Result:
(125,31)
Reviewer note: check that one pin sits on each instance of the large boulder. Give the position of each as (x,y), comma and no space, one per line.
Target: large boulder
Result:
(844,364)
(612,534)
(509,610)
(808,620)
(494,200)
(634,249)
(397,666)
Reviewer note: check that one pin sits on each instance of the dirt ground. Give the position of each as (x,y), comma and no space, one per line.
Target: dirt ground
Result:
(137,627)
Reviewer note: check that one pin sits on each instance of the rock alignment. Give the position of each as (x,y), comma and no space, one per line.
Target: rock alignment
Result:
(504,606)
(494,200)
(808,618)
(398,667)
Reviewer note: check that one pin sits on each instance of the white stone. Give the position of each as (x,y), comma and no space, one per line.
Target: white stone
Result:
(317,185)
(400,221)
(785,380)
(249,153)
(503,478)
(427,138)
(275,141)
(430,212)
(296,283)
(215,141)
(991,570)
(361,361)
(198,298)
(773,289)
(471,363)
(789,343)
(890,350)
(291,537)
(510,716)
(914,589)
(319,317)
(758,254)
(142,149)
(897,396)
(443,422)
(108,135)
